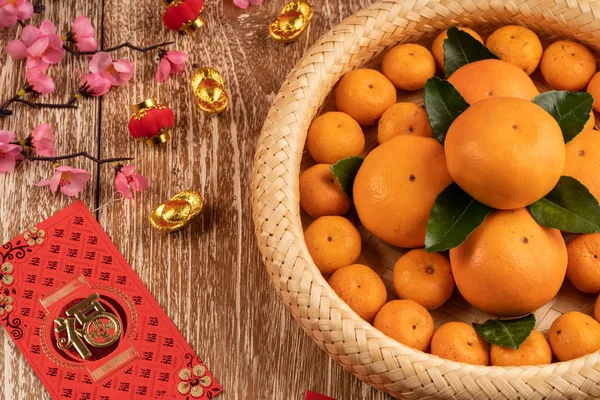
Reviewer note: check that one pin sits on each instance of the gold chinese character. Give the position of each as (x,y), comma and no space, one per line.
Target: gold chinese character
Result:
(98,327)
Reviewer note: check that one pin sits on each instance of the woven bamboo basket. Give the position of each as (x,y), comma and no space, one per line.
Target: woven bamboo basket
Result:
(364,351)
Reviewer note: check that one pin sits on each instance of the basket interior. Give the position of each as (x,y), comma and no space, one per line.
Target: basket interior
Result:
(382,257)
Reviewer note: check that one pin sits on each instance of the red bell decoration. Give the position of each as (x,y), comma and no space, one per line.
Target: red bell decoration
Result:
(151,122)
(183,15)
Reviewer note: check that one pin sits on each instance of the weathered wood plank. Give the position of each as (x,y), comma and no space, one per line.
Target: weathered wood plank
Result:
(22,204)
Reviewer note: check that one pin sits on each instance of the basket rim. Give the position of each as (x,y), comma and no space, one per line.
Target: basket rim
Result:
(298,97)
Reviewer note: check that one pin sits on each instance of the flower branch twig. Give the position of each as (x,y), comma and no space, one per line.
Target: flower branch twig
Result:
(75,155)
(115,48)
(4,111)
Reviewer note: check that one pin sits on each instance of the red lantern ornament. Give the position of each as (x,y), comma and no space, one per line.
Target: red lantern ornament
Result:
(151,122)
(183,15)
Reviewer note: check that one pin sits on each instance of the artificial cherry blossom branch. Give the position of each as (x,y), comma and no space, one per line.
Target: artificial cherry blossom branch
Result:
(75,155)
(4,111)
(120,46)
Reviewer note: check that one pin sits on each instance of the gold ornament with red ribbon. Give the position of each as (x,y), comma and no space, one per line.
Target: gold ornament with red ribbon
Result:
(183,15)
(151,122)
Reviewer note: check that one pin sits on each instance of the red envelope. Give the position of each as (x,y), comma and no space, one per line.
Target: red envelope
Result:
(86,323)
(316,396)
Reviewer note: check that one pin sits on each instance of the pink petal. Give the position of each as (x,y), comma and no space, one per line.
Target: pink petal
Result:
(87,44)
(7,163)
(164,69)
(128,170)
(17,50)
(140,183)
(42,139)
(66,168)
(124,72)
(6,136)
(55,181)
(39,82)
(42,131)
(97,85)
(241,3)
(55,41)
(100,62)
(122,186)
(7,18)
(13,149)
(54,55)
(177,68)
(101,86)
(43,182)
(39,47)
(25,11)
(17,154)
(30,34)
(123,66)
(83,28)
(72,189)
(78,179)
(177,57)
(35,63)
(47,27)
(45,151)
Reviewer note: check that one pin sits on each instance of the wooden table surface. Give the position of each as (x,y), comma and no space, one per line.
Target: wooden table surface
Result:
(209,278)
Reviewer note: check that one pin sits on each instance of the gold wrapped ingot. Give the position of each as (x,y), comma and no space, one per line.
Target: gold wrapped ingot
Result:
(177,212)
(209,90)
(291,22)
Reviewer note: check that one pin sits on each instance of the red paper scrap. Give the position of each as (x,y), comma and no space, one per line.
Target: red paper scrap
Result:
(86,323)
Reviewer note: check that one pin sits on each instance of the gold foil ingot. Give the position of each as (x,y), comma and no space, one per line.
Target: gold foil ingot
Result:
(209,90)
(291,22)
(177,212)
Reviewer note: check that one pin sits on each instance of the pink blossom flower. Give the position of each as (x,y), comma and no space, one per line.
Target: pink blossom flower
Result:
(70,180)
(13,10)
(38,43)
(126,181)
(117,72)
(38,81)
(83,34)
(36,63)
(93,85)
(171,62)
(9,153)
(245,3)
(42,140)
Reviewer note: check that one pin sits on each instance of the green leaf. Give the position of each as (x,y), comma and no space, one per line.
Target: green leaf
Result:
(508,333)
(345,171)
(570,109)
(460,49)
(443,104)
(453,217)
(569,207)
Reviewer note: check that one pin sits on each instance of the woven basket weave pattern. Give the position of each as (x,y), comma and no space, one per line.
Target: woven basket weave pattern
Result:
(360,348)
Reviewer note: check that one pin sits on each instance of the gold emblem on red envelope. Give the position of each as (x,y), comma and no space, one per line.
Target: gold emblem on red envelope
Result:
(87,322)
(89,327)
